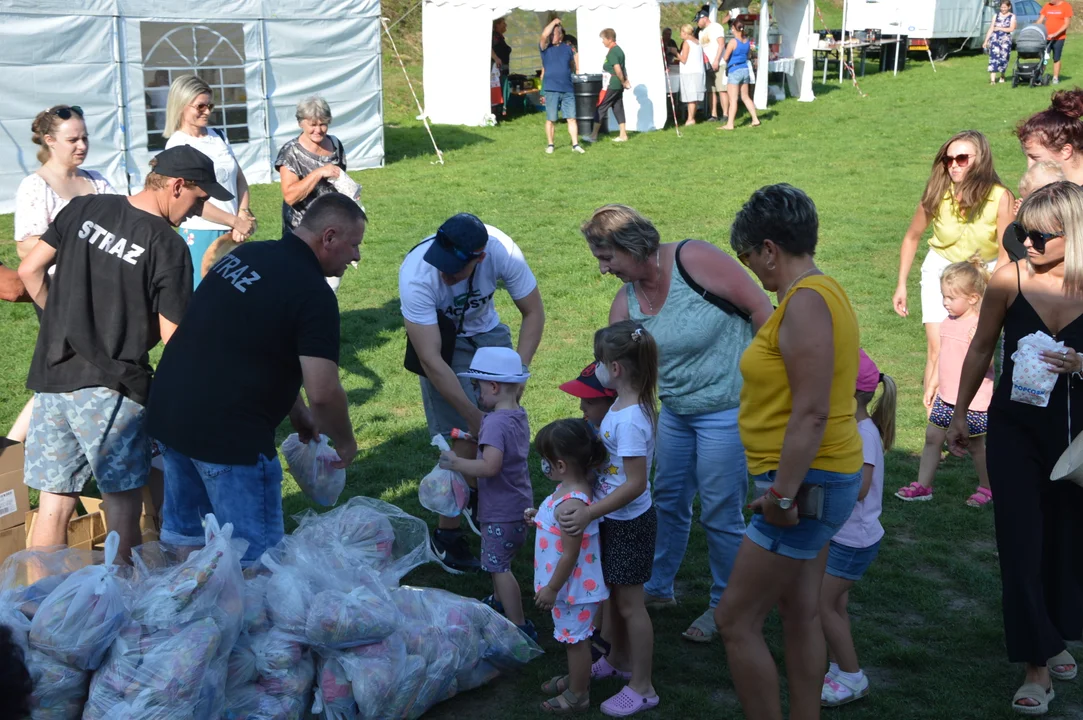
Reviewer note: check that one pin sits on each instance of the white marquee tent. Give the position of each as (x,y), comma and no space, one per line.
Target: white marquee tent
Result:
(114,58)
(456,41)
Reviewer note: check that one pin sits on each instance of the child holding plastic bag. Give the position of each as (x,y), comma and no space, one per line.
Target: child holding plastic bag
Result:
(567,566)
(962,285)
(503,479)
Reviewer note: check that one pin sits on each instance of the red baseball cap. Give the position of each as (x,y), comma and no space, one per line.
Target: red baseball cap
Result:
(587,387)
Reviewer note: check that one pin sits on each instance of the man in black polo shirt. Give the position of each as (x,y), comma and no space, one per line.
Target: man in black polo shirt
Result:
(123,280)
(262,323)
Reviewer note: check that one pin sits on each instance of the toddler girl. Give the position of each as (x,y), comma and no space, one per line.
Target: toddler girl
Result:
(567,566)
(628,363)
(856,544)
(962,285)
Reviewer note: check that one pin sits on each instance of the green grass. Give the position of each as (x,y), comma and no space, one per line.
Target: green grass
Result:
(927,616)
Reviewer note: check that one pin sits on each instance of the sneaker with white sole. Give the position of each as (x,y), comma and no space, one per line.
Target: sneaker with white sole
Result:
(453,550)
(548,149)
(839,690)
(1056,81)
(577,148)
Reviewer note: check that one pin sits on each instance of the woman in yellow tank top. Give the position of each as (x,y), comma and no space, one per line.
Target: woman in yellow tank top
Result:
(799,432)
(969,208)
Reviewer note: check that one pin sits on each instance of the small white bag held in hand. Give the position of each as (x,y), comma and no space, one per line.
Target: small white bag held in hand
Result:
(310,465)
(1032,380)
(444,492)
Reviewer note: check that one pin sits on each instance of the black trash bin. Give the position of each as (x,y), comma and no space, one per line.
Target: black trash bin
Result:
(887,53)
(587,89)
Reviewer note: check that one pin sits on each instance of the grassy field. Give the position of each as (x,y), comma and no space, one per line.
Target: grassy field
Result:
(927,616)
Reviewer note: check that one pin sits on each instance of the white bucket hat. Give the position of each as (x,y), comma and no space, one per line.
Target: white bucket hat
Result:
(496,364)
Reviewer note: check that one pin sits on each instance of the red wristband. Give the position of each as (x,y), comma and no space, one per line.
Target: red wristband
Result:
(774,492)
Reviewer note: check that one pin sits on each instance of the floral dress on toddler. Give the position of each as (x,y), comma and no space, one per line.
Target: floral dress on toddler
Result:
(578,601)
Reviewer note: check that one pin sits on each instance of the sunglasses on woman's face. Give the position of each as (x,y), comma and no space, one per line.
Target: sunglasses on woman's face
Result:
(960,160)
(1037,238)
(65,112)
(204,107)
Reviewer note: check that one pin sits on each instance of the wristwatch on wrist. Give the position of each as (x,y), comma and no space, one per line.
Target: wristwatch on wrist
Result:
(784,503)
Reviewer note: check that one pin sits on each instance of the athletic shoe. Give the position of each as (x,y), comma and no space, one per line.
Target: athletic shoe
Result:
(548,149)
(453,550)
(578,149)
(471,517)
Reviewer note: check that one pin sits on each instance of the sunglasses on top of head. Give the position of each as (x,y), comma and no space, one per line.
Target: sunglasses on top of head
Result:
(962,160)
(65,112)
(1037,238)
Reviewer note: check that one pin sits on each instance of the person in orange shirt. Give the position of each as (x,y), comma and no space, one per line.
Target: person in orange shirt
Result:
(1056,16)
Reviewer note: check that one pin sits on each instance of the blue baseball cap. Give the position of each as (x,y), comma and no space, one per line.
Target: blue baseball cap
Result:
(458,241)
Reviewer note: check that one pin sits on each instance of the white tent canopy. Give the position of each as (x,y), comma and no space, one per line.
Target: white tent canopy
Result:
(114,57)
(456,43)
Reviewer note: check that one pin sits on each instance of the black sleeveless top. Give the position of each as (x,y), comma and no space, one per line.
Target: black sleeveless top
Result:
(1020,320)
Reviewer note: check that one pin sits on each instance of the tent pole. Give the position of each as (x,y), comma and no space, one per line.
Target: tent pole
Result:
(122,102)
(842,50)
(898,36)
(669,86)
(266,95)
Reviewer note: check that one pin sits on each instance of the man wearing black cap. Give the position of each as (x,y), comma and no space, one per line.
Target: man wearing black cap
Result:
(446,285)
(262,324)
(122,283)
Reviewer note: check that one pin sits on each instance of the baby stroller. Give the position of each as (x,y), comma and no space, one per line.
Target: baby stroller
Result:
(1032,51)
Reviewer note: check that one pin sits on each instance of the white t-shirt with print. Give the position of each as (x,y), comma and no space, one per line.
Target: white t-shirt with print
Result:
(626,433)
(709,38)
(422,293)
(863,529)
(226,170)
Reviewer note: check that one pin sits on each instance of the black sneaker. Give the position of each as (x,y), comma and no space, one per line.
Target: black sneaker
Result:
(452,549)
(472,516)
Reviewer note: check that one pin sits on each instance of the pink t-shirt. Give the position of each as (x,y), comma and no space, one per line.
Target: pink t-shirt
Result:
(955,337)
(863,529)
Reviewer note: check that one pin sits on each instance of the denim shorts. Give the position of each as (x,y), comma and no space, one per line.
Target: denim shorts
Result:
(739,76)
(850,563)
(95,432)
(562,101)
(499,543)
(805,540)
(249,496)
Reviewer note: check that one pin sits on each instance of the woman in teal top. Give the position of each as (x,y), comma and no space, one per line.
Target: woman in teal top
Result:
(739,73)
(698,447)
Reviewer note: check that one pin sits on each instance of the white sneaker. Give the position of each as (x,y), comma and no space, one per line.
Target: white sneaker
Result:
(577,148)
(548,149)
(1056,81)
(838,691)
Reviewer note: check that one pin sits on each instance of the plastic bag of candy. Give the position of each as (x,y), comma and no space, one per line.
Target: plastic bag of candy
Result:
(311,466)
(170,661)
(79,620)
(334,691)
(444,492)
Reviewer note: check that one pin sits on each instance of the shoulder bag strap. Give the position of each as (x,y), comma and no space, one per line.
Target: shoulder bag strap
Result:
(721,303)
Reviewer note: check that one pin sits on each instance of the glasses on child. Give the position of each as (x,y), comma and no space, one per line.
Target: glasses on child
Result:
(960,160)
(1037,238)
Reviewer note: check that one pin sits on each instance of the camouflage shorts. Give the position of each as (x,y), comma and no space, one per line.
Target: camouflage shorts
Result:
(94,432)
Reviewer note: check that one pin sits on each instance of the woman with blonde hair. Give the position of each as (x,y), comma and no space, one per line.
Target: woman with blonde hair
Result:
(969,209)
(693,73)
(187,122)
(1038,533)
(62,134)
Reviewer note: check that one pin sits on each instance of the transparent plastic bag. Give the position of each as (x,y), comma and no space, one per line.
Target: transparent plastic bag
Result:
(1032,380)
(334,698)
(79,620)
(170,661)
(310,465)
(60,690)
(340,620)
(443,492)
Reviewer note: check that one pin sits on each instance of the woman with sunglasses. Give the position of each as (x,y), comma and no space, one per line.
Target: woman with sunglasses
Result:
(969,208)
(62,134)
(1038,532)
(187,122)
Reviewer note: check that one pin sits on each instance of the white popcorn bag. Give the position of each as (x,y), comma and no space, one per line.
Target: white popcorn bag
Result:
(1032,380)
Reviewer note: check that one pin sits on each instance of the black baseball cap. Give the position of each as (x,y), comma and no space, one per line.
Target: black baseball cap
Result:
(458,241)
(701,14)
(187,163)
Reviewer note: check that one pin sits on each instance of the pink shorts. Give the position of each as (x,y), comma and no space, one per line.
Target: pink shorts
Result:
(574,623)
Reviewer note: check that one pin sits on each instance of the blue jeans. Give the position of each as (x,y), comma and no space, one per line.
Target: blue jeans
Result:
(249,496)
(698,454)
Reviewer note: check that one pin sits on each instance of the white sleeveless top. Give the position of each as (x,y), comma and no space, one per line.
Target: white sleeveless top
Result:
(694,64)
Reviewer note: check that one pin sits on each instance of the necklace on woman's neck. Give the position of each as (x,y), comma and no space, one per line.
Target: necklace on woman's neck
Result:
(658,273)
(796,279)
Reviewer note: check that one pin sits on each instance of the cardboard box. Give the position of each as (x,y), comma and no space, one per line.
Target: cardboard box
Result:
(14,498)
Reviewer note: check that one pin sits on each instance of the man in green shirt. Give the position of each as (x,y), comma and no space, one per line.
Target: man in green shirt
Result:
(614,69)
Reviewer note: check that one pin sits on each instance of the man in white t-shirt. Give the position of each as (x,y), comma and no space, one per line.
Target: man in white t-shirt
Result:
(451,278)
(712,38)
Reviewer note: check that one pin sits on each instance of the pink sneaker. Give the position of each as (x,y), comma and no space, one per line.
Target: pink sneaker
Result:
(915,491)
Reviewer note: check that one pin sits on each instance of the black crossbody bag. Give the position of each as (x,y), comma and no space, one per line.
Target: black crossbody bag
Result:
(721,303)
(449,333)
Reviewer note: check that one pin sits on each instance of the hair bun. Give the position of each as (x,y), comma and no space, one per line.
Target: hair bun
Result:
(1069,102)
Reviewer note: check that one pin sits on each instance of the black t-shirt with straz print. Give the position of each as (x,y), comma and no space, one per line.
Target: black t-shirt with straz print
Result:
(232,371)
(117,269)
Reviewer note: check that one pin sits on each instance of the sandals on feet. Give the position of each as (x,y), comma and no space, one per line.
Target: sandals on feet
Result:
(655,602)
(1035,692)
(602,670)
(566,703)
(1067,664)
(838,691)
(555,685)
(628,702)
(706,625)
(980,498)
(914,491)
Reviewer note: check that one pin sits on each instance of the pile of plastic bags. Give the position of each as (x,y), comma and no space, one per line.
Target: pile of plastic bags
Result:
(319,623)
